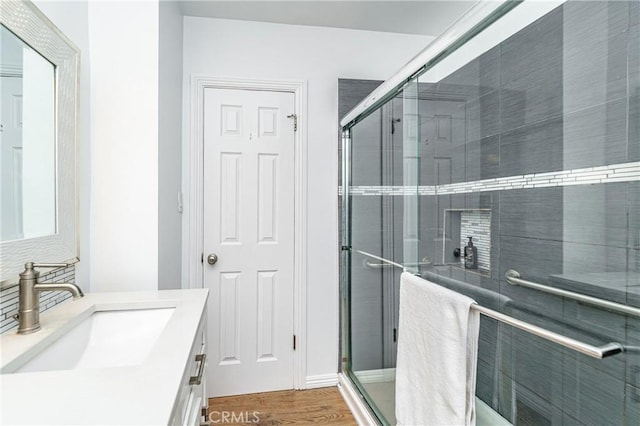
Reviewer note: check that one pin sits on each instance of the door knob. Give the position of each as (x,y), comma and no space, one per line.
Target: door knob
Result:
(212,259)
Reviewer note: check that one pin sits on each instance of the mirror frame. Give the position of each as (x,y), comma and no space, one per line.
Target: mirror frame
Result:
(28,23)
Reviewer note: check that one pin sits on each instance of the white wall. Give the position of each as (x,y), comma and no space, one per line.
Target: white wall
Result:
(129,158)
(71,18)
(118,139)
(169,146)
(124,145)
(320,56)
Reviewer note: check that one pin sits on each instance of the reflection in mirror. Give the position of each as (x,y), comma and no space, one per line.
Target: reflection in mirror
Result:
(38,191)
(27,136)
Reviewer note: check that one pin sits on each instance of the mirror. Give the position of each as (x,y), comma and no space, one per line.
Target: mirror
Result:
(27,139)
(38,118)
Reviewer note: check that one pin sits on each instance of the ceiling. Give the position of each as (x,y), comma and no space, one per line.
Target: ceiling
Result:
(408,17)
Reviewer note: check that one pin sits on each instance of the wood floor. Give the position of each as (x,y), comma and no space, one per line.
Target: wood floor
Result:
(314,406)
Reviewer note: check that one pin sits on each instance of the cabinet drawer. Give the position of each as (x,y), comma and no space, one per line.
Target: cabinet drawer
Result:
(194,409)
(191,395)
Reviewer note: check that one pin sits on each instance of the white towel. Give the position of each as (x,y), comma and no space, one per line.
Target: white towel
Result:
(437,355)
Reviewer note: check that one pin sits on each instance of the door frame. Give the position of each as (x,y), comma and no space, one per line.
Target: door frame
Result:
(193,190)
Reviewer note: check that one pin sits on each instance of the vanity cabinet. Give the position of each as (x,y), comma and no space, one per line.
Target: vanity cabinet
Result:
(191,407)
(170,366)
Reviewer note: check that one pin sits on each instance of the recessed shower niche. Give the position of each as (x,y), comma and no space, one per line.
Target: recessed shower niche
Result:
(466,239)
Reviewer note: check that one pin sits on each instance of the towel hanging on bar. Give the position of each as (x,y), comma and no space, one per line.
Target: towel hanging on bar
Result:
(437,355)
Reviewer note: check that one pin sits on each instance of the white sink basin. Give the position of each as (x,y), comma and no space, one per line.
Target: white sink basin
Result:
(105,339)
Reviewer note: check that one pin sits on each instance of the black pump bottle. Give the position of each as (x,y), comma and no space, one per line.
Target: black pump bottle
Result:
(470,255)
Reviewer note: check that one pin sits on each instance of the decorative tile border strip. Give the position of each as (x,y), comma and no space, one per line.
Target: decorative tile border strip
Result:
(389,190)
(624,172)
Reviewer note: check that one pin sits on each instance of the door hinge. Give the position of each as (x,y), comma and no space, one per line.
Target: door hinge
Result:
(294,342)
(204,412)
(295,121)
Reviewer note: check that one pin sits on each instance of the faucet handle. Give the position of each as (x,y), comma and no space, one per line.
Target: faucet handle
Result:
(31,265)
(30,272)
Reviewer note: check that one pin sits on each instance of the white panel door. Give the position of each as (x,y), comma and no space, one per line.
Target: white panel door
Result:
(248,224)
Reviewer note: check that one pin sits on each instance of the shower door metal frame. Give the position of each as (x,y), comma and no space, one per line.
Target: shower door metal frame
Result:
(345,256)
(372,412)
(388,235)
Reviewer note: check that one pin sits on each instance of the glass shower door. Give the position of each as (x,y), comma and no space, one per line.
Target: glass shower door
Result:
(528,144)
(382,237)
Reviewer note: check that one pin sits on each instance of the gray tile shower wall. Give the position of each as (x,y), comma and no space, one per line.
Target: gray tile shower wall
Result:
(531,82)
(633,235)
(48,299)
(560,95)
(350,93)
(476,79)
(634,82)
(595,135)
(594,52)
(532,213)
(532,148)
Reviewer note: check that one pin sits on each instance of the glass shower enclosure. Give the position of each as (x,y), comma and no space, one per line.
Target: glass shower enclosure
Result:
(522,135)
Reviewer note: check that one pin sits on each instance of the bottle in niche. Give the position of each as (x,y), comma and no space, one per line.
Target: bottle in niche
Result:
(470,255)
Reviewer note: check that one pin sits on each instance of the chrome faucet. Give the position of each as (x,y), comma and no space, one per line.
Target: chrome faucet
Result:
(29,295)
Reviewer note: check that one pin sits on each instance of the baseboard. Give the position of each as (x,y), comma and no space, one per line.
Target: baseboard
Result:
(322,381)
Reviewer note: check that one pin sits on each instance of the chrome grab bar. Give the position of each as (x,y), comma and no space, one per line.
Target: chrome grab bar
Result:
(381,259)
(424,262)
(513,278)
(598,352)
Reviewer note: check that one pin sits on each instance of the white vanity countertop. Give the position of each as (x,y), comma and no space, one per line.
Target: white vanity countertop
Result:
(132,395)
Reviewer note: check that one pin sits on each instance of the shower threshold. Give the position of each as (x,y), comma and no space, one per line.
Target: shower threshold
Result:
(385,391)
